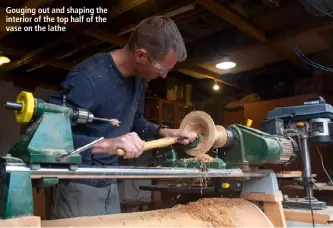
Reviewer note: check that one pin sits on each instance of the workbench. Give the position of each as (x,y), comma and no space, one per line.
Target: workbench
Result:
(303,218)
(317,187)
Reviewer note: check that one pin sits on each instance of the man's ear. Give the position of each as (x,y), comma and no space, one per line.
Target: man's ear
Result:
(141,55)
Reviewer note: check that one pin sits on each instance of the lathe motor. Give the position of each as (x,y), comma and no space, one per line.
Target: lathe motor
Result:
(247,148)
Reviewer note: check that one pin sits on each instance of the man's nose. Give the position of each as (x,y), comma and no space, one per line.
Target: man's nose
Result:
(163,75)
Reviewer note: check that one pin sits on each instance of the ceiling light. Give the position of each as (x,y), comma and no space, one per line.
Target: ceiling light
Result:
(225,65)
(216,86)
(4,60)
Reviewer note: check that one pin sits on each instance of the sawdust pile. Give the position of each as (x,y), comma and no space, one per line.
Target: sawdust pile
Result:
(213,211)
(206,212)
(209,210)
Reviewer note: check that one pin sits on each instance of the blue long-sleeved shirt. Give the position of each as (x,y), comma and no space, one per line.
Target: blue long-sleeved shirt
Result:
(100,88)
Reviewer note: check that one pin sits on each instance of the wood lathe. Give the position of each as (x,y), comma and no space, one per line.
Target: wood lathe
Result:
(239,150)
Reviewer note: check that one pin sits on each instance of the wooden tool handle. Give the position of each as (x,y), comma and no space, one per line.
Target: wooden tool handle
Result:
(159,143)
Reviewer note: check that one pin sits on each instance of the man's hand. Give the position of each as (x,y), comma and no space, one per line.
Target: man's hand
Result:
(130,143)
(183,137)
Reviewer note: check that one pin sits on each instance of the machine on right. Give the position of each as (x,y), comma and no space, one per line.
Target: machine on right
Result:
(310,123)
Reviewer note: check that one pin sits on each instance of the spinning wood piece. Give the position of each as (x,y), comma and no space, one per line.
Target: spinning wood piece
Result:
(211,136)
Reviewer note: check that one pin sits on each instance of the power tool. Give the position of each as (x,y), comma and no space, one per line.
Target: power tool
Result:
(310,123)
(49,135)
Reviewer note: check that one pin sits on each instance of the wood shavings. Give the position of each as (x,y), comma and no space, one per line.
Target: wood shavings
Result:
(203,177)
(115,122)
(200,158)
(203,159)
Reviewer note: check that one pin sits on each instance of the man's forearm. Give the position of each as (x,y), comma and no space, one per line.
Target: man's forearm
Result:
(164,132)
(145,129)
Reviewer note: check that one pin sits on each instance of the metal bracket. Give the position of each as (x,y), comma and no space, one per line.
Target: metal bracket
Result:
(73,167)
(35,166)
(265,188)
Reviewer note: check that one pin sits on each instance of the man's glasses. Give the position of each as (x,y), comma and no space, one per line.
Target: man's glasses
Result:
(160,70)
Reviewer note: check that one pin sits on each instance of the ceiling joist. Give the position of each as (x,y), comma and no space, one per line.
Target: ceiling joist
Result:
(97,33)
(227,15)
(191,67)
(105,36)
(90,31)
(37,53)
(124,6)
(201,72)
(224,13)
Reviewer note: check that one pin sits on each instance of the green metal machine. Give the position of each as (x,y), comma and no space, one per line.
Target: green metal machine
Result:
(49,135)
(47,140)
(37,145)
(45,153)
(246,147)
(235,146)
(249,147)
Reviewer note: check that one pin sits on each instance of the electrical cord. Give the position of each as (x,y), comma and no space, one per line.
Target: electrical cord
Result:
(309,61)
(306,59)
(322,163)
(306,179)
(292,117)
(317,8)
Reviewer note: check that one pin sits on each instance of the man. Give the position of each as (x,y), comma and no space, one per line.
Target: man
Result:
(112,86)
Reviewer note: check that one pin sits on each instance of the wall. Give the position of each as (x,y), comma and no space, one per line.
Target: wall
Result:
(257,111)
(233,117)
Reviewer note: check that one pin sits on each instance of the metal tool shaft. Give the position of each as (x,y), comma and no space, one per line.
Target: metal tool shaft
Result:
(83,148)
(128,172)
(102,119)
(114,122)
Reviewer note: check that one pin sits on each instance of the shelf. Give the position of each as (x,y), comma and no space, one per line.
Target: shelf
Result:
(165,112)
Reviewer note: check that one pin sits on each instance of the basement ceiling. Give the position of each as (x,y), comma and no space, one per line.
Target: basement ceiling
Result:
(252,33)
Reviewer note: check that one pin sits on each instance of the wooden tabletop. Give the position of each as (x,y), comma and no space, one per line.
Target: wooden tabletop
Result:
(301,215)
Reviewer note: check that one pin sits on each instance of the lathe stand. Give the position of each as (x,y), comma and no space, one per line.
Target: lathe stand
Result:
(266,190)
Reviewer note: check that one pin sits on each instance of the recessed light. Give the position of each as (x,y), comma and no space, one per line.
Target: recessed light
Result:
(4,60)
(216,87)
(225,65)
